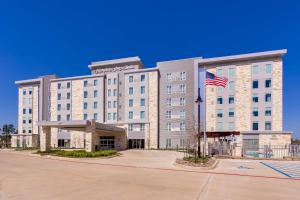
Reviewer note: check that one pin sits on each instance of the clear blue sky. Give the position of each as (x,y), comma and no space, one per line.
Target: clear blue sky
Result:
(63,37)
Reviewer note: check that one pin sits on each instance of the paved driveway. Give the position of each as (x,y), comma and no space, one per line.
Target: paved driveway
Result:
(32,177)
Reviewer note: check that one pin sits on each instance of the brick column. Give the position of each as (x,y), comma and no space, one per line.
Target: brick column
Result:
(45,139)
(89,136)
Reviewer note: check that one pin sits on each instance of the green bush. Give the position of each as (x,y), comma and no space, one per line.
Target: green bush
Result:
(196,159)
(25,148)
(78,153)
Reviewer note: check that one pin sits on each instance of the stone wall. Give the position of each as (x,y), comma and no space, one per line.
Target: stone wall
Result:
(277,96)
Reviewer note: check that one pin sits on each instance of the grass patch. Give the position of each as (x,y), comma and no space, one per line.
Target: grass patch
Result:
(196,159)
(78,153)
(25,148)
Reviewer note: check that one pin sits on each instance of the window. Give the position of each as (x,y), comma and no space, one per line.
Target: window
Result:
(182,76)
(169,126)
(142,89)
(268,97)
(68,106)
(85,83)
(58,87)
(115,92)
(142,102)
(130,90)
(85,94)
(30,120)
(24,92)
(231,72)
(219,88)
(255,84)
(219,113)
(268,68)
(115,81)
(142,127)
(255,126)
(109,104)
(182,126)
(231,112)
(24,131)
(231,85)
(29,130)
(68,95)
(109,116)
(58,107)
(30,111)
(68,117)
(268,126)
(169,89)
(95,82)
(95,105)
(182,88)
(95,116)
(85,105)
(182,114)
(115,104)
(59,96)
(169,77)
(130,102)
(220,72)
(255,98)
(268,111)
(85,116)
(114,116)
(24,120)
(169,101)
(142,77)
(30,91)
(68,85)
(219,100)
(24,111)
(268,83)
(142,114)
(130,127)
(109,92)
(255,112)
(168,143)
(130,115)
(231,126)
(182,101)
(254,69)
(58,117)
(95,93)
(231,100)
(130,79)
(168,114)
(219,126)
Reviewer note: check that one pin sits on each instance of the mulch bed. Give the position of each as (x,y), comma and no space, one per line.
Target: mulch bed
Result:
(209,164)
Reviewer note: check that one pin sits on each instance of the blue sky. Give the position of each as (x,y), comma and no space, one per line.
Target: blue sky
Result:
(63,37)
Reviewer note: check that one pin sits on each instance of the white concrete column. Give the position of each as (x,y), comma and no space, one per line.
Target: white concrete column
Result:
(45,139)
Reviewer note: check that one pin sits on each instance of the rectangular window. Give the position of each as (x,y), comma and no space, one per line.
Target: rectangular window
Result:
(255,84)
(220,72)
(130,102)
(68,106)
(169,126)
(268,97)
(115,104)
(85,94)
(30,91)
(114,116)
(68,95)
(109,116)
(255,98)
(142,89)
(58,117)
(24,92)
(30,120)
(219,126)
(231,85)
(169,77)
(219,88)
(109,104)
(142,114)
(130,127)
(58,87)
(169,101)
(182,126)
(58,107)
(231,100)
(85,116)
(109,92)
(130,115)
(182,114)
(231,72)
(182,76)
(268,111)
(115,92)
(130,79)
(115,81)
(268,126)
(169,89)
(68,85)
(24,120)
(142,127)
(95,116)
(109,81)
(168,114)
(29,111)
(95,105)
(255,69)
(85,83)
(255,112)
(219,113)
(268,83)
(219,100)
(231,112)
(255,126)
(231,126)
(142,102)
(24,111)
(85,105)
(142,77)
(68,117)
(130,90)
(182,88)
(59,96)
(95,93)
(182,101)
(268,68)
(95,82)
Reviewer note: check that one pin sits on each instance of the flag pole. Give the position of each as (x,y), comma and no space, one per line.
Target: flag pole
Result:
(204,128)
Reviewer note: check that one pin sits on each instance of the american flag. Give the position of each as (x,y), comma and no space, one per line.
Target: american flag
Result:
(212,79)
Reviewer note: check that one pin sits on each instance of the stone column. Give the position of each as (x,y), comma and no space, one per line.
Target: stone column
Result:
(45,139)
(89,136)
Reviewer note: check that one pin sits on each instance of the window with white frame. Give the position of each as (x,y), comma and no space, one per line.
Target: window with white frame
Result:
(169,101)
(130,90)
(168,114)
(169,89)
(130,79)
(130,103)
(95,82)
(231,112)
(268,68)
(109,81)
(182,88)
(85,116)
(115,104)
(115,92)
(142,127)
(268,111)
(169,126)
(85,83)
(68,85)
(220,72)
(95,93)
(142,89)
(142,77)
(85,105)
(182,76)
(109,116)
(255,69)
(130,127)
(114,116)
(142,115)
(231,85)
(231,72)
(142,103)
(182,114)
(182,101)
(169,77)
(130,115)
(85,94)
(268,126)
(182,126)
(109,92)
(95,105)
(109,104)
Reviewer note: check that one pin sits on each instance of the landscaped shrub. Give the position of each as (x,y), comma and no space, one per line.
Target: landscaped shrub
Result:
(79,153)
(25,148)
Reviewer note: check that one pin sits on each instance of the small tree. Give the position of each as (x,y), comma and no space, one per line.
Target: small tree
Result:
(7,130)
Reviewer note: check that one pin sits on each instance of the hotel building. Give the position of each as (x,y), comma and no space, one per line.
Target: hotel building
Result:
(123,105)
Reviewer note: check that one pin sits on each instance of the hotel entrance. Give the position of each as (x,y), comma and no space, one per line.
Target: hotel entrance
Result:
(136,143)
(106,142)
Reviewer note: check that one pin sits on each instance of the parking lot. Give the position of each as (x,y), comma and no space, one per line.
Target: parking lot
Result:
(138,174)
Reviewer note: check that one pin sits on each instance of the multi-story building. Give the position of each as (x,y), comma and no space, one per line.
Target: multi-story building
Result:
(122,104)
